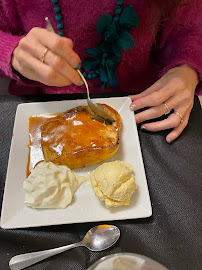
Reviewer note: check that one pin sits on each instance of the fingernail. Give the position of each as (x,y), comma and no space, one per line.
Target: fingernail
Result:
(132,107)
(171,140)
(81,82)
(78,66)
(143,128)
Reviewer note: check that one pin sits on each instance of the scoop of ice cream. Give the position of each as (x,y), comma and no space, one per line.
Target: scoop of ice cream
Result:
(114,183)
(51,186)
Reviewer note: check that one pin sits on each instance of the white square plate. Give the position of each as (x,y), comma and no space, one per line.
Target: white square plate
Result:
(86,207)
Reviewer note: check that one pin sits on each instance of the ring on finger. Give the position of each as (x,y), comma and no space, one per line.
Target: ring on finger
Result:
(167,109)
(43,55)
(178,114)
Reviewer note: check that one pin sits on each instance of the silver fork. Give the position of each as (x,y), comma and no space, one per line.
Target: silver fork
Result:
(97,111)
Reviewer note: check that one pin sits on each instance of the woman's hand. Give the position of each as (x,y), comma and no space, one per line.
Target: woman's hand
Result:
(60,60)
(175,90)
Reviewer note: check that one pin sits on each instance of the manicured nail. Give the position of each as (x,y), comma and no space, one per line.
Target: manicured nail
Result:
(171,140)
(132,107)
(78,66)
(143,128)
(81,82)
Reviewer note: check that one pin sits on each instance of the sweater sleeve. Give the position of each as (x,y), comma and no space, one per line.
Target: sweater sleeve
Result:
(8,43)
(180,40)
(11,32)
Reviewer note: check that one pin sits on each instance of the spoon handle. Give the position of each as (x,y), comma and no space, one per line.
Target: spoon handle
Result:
(85,82)
(22,261)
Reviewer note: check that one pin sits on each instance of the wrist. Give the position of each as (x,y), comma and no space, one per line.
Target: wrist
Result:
(192,72)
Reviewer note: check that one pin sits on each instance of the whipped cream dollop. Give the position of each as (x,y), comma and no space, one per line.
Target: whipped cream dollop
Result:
(51,186)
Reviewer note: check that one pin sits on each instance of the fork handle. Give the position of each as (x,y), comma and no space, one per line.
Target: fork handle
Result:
(22,261)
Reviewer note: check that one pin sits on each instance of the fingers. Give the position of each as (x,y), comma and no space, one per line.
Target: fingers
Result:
(154,99)
(40,72)
(156,86)
(153,112)
(33,45)
(63,67)
(61,46)
(58,63)
(157,111)
(171,122)
(177,131)
(175,90)
(157,93)
(174,122)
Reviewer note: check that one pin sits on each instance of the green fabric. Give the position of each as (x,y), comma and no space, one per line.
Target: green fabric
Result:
(115,38)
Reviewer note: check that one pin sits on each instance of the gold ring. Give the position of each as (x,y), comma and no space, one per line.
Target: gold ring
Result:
(178,114)
(43,55)
(168,111)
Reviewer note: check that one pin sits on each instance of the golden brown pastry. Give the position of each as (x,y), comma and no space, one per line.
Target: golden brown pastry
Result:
(77,139)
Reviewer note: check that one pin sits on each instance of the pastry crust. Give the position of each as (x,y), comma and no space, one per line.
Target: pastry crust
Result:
(77,139)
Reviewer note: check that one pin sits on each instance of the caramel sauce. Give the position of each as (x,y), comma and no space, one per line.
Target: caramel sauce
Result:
(73,138)
(35,150)
(73,133)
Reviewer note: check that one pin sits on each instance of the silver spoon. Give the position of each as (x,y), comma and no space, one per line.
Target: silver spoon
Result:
(97,111)
(97,239)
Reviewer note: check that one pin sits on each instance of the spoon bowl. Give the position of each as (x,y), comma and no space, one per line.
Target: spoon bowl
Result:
(97,111)
(101,237)
(97,238)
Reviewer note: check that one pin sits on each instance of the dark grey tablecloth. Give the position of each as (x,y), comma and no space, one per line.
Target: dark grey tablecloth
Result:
(172,236)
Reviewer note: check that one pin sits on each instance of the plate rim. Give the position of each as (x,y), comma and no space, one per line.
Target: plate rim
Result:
(20,107)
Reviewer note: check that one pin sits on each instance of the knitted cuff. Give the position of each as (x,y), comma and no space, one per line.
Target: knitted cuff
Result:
(7,45)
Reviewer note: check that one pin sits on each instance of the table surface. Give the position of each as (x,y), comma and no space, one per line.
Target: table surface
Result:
(172,235)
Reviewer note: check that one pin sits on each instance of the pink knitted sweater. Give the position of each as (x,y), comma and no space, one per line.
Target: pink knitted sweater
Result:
(157,48)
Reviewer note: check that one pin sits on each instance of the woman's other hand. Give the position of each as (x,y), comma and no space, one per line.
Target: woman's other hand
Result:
(60,60)
(174,90)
